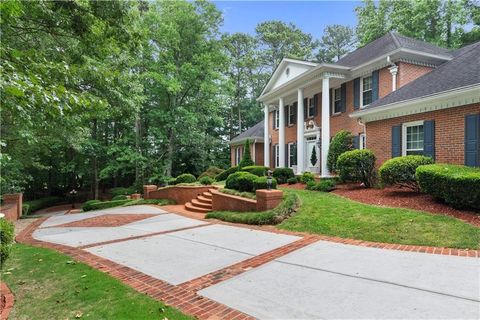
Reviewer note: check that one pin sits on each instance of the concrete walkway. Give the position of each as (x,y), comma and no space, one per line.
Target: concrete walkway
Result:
(319,280)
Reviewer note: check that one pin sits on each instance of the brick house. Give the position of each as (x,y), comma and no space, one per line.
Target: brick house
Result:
(255,137)
(396,95)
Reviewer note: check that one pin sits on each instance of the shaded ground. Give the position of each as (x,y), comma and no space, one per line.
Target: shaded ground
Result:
(402,198)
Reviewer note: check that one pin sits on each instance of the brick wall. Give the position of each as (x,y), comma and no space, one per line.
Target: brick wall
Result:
(408,72)
(259,153)
(449,133)
(256,150)
(12,206)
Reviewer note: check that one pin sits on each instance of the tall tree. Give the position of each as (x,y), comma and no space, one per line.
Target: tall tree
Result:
(337,40)
(372,21)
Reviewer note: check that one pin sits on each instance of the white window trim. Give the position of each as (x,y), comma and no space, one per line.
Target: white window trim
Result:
(362,141)
(277,155)
(361,90)
(404,135)
(333,100)
(291,111)
(237,155)
(309,102)
(277,118)
(289,154)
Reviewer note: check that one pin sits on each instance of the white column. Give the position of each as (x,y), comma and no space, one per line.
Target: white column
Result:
(394,70)
(281,133)
(325,125)
(300,133)
(266,140)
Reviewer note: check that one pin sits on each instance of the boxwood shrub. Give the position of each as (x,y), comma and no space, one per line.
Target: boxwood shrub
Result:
(185,178)
(205,180)
(261,183)
(119,197)
(34,205)
(341,142)
(211,172)
(87,205)
(458,186)
(283,174)
(307,177)
(103,205)
(400,171)
(6,239)
(256,170)
(357,166)
(224,175)
(122,191)
(241,181)
(324,185)
(292,180)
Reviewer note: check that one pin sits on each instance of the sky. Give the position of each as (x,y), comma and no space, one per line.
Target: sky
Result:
(309,16)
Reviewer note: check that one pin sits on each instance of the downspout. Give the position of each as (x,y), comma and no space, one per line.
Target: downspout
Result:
(364,131)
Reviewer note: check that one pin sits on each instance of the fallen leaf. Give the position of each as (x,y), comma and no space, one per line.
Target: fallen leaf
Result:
(83,276)
(79,314)
(7,273)
(10,269)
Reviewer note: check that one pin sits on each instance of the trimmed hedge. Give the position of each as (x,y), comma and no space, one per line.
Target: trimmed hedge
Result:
(34,205)
(119,197)
(283,174)
(357,166)
(261,183)
(248,195)
(158,202)
(256,170)
(307,177)
(325,185)
(458,186)
(7,233)
(87,205)
(90,205)
(211,172)
(185,178)
(241,181)
(224,175)
(206,180)
(292,180)
(341,142)
(122,191)
(400,171)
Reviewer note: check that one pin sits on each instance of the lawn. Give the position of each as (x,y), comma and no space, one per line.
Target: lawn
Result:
(49,285)
(329,214)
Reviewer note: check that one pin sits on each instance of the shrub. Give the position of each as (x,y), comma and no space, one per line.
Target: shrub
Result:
(325,185)
(457,185)
(248,195)
(256,170)
(224,174)
(119,197)
(159,180)
(307,177)
(7,233)
(171,181)
(400,171)
(185,178)
(341,142)
(87,206)
(241,181)
(34,205)
(122,191)
(158,202)
(206,180)
(283,174)
(211,172)
(292,180)
(104,205)
(357,166)
(246,158)
(261,183)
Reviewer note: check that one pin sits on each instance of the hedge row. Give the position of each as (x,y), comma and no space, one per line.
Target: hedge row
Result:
(98,205)
(247,182)
(34,205)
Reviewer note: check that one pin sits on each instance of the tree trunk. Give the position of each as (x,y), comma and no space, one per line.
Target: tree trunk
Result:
(95,162)
(137,148)
(168,169)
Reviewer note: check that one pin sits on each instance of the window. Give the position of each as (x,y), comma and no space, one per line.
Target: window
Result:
(238,155)
(412,138)
(363,141)
(277,118)
(277,156)
(311,108)
(292,154)
(291,115)
(367,92)
(337,101)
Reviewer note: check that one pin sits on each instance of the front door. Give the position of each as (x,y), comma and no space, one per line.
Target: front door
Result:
(312,158)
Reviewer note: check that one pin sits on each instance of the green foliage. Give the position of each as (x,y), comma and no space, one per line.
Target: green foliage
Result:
(284,210)
(241,181)
(337,40)
(457,185)
(224,175)
(119,197)
(7,234)
(185,178)
(246,158)
(400,171)
(34,205)
(261,183)
(249,195)
(292,180)
(357,166)
(171,181)
(341,142)
(89,205)
(256,170)
(307,177)
(283,174)
(158,202)
(104,205)
(324,185)
(206,180)
(121,191)
(211,172)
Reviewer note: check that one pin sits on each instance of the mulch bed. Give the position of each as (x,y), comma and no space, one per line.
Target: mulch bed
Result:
(403,198)
(110,220)
(298,185)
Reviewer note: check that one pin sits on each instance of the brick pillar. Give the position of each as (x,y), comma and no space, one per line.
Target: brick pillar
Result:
(147,189)
(136,196)
(16,200)
(268,199)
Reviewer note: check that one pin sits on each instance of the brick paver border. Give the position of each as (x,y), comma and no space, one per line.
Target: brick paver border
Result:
(9,300)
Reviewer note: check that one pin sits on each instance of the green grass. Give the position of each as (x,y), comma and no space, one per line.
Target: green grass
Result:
(48,285)
(249,195)
(329,214)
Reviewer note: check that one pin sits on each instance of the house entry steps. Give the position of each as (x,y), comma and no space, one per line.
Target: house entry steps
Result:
(201,204)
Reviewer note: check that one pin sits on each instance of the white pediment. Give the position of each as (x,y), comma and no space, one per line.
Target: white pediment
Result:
(287,70)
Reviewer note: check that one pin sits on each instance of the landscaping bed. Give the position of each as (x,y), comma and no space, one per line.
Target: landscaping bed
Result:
(404,198)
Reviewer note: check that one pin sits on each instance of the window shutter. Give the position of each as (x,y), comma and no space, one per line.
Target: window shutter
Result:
(396,141)
(375,85)
(286,155)
(429,139)
(305,110)
(331,101)
(356,93)
(294,154)
(356,142)
(274,118)
(343,94)
(286,115)
(472,140)
(274,162)
(315,104)
(305,105)
(295,107)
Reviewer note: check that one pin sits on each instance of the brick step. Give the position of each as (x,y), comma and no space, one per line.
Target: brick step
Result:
(212,190)
(204,200)
(191,207)
(200,204)
(207,195)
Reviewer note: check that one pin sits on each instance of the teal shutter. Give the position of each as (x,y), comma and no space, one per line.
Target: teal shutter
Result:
(429,139)
(294,106)
(374,85)
(274,156)
(343,94)
(286,115)
(286,155)
(331,102)
(356,142)
(356,93)
(472,140)
(315,104)
(396,141)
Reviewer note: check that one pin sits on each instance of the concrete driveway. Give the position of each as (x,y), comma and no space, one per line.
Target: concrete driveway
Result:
(323,280)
